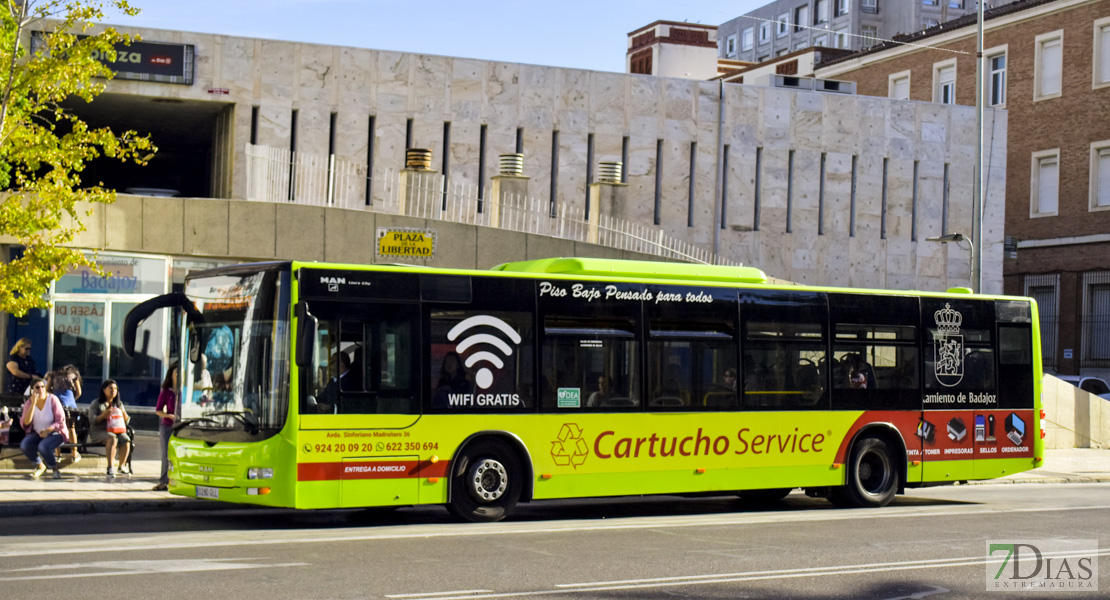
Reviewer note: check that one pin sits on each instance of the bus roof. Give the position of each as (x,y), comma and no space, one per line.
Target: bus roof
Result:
(608,267)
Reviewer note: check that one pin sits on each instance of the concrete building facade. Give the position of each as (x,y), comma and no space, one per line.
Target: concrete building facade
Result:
(785,26)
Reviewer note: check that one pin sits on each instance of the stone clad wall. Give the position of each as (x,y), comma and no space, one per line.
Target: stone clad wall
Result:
(393,87)
(258,231)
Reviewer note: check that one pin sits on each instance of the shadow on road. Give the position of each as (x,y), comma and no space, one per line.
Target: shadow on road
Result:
(230,518)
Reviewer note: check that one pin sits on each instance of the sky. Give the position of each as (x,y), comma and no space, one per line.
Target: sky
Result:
(560,33)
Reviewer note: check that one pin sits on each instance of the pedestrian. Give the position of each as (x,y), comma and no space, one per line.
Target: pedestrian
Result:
(21,367)
(44,422)
(166,409)
(65,383)
(108,420)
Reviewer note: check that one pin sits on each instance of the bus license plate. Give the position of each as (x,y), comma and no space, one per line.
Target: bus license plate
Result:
(208,492)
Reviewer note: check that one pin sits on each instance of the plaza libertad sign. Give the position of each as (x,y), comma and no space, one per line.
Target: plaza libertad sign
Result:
(405,242)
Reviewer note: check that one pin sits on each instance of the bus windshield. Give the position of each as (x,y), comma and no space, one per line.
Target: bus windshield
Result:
(236,383)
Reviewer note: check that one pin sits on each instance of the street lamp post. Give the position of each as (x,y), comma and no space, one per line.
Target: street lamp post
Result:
(956,238)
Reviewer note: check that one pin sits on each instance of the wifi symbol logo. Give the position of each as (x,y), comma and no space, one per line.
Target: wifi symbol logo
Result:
(484,377)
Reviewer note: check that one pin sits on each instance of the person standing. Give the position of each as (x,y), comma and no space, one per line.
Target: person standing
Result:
(65,383)
(108,425)
(21,367)
(44,421)
(166,409)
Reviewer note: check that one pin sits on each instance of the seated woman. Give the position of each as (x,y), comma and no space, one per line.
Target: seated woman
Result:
(44,421)
(108,420)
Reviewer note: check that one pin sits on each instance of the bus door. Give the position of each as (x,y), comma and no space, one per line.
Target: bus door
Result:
(875,368)
(961,387)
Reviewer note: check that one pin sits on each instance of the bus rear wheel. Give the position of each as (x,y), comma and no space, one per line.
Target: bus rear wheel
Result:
(872,476)
(485,482)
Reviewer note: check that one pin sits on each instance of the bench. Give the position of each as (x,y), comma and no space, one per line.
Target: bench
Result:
(81,427)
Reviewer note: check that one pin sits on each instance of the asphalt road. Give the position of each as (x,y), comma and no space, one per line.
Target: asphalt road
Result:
(930,544)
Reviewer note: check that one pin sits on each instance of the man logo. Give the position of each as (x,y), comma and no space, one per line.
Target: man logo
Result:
(484,377)
(949,346)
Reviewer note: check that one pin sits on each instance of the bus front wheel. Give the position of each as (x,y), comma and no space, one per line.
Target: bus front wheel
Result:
(485,482)
(872,476)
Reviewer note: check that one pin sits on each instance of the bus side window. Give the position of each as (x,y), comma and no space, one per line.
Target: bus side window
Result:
(783,347)
(590,364)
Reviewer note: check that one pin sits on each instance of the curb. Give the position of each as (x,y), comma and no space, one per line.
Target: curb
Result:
(1048,479)
(87,507)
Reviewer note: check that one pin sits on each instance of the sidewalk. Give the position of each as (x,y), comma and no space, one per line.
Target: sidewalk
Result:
(85,489)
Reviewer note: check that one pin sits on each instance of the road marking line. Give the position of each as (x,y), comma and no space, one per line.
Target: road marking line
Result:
(134,544)
(921,562)
(754,576)
(437,594)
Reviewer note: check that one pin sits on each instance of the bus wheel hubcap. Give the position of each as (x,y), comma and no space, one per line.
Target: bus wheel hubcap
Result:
(490,479)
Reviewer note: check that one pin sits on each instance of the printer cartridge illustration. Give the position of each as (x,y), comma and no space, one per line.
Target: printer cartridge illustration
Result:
(926,431)
(980,428)
(1015,429)
(957,431)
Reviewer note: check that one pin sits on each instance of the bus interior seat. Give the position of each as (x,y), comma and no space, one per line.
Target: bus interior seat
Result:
(720,400)
(618,403)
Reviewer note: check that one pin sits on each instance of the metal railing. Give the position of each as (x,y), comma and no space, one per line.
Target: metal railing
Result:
(276,175)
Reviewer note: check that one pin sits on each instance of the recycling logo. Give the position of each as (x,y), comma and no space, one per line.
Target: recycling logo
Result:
(570,449)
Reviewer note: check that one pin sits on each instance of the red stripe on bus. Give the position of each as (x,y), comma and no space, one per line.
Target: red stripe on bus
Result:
(370,469)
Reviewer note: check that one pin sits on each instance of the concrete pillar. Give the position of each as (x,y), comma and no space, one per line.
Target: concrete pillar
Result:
(418,181)
(608,197)
(509,190)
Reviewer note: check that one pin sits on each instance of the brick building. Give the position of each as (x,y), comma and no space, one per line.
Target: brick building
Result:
(1048,65)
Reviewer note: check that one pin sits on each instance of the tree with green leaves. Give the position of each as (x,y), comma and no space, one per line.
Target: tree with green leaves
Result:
(43,146)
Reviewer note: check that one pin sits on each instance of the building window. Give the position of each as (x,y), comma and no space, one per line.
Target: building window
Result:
(1045,185)
(870,35)
(801,17)
(820,41)
(869,6)
(764,32)
(1048,65)
(783,25)
(1045,290)
(730,46)
(1095,325)
(842,37)
(1100,175)
(782,51)
(927,23)
(930,2)
(1102,53)
(842,7)
(898,86)
(820,12)
(996,77)
(746,40)
(956,4)
(944,82)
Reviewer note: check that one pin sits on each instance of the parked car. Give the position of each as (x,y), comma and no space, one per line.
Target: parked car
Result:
(1093,385)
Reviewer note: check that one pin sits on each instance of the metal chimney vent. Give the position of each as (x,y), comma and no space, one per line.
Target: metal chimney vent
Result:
(609,172)
(512,164)
(419,159)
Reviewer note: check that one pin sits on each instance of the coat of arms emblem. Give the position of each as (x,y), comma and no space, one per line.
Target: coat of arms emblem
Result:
(949,346)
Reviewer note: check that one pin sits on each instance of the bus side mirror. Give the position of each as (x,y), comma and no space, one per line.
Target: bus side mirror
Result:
(306,335)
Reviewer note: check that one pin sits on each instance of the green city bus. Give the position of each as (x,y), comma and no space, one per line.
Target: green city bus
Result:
(314,386)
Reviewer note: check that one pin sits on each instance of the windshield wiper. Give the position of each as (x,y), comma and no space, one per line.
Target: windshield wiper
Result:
(249,425)
(182,424)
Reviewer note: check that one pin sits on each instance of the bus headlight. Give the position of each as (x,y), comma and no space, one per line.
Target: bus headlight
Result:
(260,473)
